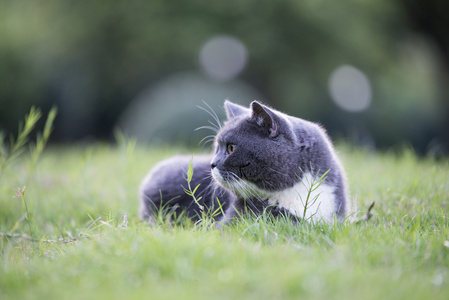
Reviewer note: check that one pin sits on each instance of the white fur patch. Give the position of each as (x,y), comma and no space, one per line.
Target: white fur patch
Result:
(216,174)
(308,199)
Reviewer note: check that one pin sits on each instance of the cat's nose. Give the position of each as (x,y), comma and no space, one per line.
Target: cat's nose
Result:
(214,162)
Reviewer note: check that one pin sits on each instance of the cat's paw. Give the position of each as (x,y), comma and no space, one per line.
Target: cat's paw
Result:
(277,211)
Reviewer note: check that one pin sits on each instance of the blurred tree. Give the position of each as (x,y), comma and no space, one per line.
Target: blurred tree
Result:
(430,18)
(92,58)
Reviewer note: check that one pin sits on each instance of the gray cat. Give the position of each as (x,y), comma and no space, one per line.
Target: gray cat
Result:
(265,162)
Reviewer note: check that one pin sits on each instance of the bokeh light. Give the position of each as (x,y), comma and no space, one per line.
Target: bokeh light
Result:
(350,89)
(167,111)
(223,57)
(385,68)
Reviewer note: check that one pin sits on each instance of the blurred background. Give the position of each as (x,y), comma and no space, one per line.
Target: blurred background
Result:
(373,72)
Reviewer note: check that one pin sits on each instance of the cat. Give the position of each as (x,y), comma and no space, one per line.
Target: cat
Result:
(264,161)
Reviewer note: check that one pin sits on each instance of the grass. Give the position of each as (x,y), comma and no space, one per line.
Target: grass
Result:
(88,242)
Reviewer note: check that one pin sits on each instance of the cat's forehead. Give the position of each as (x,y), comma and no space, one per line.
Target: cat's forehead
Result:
(237,128)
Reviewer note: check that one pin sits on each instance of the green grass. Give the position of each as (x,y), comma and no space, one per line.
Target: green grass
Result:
(79,197)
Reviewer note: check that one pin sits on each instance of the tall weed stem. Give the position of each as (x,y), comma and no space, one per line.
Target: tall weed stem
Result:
(20,193)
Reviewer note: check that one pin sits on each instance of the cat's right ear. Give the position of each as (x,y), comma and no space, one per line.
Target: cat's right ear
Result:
(234,110)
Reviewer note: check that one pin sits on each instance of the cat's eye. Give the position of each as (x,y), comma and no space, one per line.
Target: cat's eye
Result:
(230,148)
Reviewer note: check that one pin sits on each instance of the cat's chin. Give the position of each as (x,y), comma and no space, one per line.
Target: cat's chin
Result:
(217,176)
(220,179)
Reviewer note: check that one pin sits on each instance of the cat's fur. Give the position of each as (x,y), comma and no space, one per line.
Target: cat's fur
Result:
(264,160)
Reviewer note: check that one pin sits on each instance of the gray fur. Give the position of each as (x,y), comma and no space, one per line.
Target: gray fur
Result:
(272,152)
(163,189)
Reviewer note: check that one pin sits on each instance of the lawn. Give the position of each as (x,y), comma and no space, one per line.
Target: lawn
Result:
(82,239)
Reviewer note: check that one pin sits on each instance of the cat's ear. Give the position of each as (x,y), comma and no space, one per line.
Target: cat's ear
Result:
(265,117)
(234,110)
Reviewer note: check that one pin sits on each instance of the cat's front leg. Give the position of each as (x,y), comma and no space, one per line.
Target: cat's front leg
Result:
(231,215)
(277,211)
(239,209)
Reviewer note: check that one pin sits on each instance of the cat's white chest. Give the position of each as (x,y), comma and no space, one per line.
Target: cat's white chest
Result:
(308,199)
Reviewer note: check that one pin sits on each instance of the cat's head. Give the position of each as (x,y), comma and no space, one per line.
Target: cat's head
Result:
(257,150)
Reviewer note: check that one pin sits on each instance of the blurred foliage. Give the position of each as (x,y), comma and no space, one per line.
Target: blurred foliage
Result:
(92,58)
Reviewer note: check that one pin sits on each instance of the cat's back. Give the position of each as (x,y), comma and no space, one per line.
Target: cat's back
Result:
(163,187)
(171,175)
(175,168)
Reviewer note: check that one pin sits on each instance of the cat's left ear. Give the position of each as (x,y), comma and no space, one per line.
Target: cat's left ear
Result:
(265,117)
(234,110)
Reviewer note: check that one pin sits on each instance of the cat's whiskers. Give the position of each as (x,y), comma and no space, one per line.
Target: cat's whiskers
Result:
(265,182)
(278,172)
(236,185)
(209,187)
(212,187)
(215,127)
(246,189)
(207,139)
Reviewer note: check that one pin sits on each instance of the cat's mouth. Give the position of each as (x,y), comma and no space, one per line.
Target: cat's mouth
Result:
(223,177)
(229,176)
(217,175)
(239,185)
